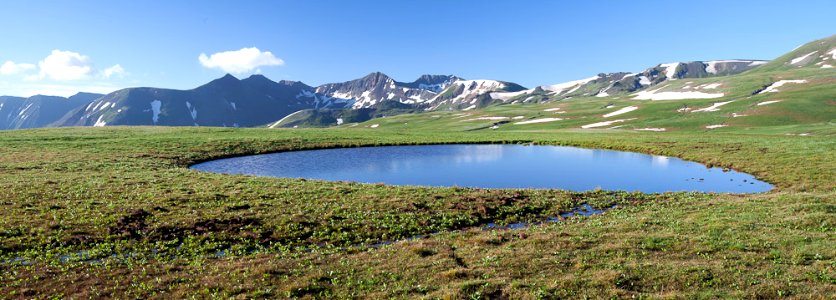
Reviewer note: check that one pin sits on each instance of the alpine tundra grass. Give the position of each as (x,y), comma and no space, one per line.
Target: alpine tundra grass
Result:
(115,212)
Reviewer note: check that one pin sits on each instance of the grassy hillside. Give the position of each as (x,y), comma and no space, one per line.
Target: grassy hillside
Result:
(807,107)
(804,105)
(114,212)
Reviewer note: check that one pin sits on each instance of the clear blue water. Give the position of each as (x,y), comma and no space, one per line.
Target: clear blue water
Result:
(494,166)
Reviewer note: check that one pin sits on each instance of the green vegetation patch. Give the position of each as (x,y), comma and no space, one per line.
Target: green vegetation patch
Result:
(115,212)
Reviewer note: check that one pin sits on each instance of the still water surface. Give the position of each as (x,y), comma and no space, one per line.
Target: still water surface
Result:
(494,166)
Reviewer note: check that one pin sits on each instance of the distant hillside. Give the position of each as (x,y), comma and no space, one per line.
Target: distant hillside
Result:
(39,111)
(622,83)
(792,95)
(227,102)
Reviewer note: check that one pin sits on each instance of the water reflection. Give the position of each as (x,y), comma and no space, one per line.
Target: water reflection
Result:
(494,166)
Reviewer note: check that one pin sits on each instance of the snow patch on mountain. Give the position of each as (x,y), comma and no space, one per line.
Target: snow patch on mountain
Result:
(801,58)
(504,96)
(487,118)
(656,95)
(713,107)
(99,122)
(606,123)
(541,120)
(621,111)
(644,81)
(192,110)
(670,69)
(709,86)
(276,124)
(155,110)
(711,66)
(773,88)
(651,129)
(560,87)
(768,102)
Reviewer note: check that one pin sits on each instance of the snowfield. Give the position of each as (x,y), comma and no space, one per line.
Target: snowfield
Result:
(768,102)
(282,119)
(711,66)
(155,109)
(772,88)
(670,70)
(99,122)
(606,123)
(543,120)
(652,129)
(801,58)
(560,87)
(709,86)
(621,111)
(713,107)
(504,96)
(656,95)
(487,118)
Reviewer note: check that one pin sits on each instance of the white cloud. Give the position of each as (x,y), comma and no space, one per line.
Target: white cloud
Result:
(240,61)
(66,65)
(114,70)
(46,78)
(10,68)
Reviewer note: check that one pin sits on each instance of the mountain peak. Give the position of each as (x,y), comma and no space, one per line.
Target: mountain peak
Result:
(228,77)
(258,78)
(376,76)
(226,82)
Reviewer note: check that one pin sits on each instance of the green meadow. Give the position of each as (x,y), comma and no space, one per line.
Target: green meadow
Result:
(115,212)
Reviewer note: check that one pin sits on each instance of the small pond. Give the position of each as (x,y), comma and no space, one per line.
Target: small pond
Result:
(494,166)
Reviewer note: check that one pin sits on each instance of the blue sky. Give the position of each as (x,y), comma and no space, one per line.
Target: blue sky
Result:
(106,45)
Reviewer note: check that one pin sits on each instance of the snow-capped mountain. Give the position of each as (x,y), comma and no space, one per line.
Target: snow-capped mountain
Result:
(38,111)
(377,87)
(470,94)
(226,101)
(603,85)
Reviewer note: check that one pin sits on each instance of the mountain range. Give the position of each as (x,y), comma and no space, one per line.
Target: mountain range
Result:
(259,101)
(39,111)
